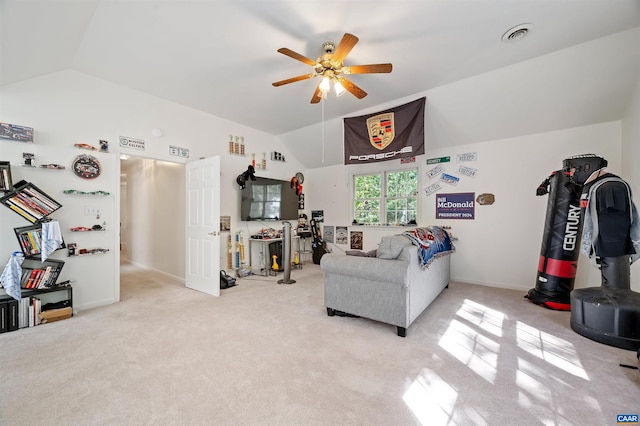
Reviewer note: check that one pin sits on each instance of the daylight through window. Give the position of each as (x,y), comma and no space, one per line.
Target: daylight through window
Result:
(387,198)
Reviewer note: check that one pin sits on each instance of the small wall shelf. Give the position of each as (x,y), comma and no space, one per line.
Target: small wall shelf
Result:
(74,252)
(78,192)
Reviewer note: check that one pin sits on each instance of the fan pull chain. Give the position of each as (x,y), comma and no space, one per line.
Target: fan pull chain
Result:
(322,130)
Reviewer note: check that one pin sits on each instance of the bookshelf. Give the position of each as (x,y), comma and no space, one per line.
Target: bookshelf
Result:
(30,239)
(38,274)
(30,202)
(6,182)
(42,299)
(35,307)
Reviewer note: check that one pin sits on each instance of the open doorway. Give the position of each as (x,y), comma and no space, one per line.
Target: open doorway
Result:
(152,218)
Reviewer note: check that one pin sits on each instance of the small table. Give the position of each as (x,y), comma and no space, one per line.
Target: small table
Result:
(262,244)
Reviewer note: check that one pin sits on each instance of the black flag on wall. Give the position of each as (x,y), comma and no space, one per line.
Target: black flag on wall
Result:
(387,135)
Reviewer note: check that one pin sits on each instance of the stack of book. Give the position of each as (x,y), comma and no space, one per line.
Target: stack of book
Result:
(36,274)
(5,176)
(30,202)
(30,240)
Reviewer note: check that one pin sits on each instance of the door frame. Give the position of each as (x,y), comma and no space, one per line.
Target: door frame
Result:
(117,205)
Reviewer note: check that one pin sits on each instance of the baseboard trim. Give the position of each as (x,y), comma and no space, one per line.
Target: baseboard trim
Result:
(491,284)
(149,268)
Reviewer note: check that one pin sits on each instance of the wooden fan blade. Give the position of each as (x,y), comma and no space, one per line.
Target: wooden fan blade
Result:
(355,90)
(290,53)
(294,79)
(317,95)
(345,46)
(367,69)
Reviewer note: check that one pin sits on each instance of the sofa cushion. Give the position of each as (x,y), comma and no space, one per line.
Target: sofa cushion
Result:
(370,253)
(391,246)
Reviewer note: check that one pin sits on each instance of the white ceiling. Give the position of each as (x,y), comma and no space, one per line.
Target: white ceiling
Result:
(221,56)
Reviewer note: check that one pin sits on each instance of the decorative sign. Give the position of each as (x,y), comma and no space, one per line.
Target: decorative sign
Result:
(451,180)
(341,235)
(486,199)
(13,132)
(438,160)
(317,215)
(327,233)
(386,135)
(356,240)
(455,206)
(225,223)
(469,156)
(432,188)
(132,143)
(178,152)
(86,166)
(407,160)
(467,171)
(435,171)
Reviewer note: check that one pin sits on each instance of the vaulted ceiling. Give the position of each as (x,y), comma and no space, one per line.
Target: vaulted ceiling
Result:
(221,56)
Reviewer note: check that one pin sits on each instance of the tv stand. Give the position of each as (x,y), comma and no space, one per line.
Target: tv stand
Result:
(261,264)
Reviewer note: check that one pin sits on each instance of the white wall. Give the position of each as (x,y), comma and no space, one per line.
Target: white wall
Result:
(631,142)
(69,107)
(501,246)
(630,156)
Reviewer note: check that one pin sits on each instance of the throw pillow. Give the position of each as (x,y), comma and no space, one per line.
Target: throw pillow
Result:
(391,246)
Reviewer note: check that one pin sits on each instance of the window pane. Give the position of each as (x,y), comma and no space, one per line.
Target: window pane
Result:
(367,186)
(402,196)
(368,211)
(366,200)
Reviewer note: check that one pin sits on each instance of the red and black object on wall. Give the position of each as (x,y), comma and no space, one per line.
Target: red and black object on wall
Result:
(560,249)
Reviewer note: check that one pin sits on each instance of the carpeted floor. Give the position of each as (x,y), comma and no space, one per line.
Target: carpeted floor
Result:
(268,354)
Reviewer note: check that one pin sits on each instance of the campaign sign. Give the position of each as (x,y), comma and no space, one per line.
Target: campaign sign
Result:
(455,206)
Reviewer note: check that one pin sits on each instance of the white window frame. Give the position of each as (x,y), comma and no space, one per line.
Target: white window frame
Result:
(383,191)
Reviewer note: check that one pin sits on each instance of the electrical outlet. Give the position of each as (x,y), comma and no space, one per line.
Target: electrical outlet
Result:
(90,211)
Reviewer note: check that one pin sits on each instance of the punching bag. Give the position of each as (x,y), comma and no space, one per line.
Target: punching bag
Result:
(558,261)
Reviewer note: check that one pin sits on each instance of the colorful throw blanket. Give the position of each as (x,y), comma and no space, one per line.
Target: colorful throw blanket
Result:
(432,242)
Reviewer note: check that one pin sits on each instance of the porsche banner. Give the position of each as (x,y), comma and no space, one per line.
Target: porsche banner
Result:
(387,135)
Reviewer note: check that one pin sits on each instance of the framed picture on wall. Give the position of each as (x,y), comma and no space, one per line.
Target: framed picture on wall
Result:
(356,240)
(13,132)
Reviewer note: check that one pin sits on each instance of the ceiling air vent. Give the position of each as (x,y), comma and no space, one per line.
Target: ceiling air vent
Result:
(516,33)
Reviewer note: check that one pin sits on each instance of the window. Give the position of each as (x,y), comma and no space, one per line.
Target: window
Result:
(386,198)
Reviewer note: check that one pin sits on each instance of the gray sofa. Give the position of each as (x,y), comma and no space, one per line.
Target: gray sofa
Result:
(392,287)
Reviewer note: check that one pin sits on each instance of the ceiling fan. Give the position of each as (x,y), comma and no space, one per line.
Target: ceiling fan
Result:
(331,68)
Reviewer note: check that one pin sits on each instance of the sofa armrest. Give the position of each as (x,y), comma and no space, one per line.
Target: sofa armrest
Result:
(369,268)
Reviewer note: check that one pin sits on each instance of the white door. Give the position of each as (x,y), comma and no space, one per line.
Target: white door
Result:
(203,226)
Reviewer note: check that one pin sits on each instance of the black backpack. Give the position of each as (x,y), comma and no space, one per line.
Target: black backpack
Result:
(226,280)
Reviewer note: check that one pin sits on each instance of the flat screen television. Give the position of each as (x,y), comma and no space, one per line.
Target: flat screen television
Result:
(268,199)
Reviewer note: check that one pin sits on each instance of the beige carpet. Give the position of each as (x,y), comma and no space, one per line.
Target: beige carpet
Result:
(267,354)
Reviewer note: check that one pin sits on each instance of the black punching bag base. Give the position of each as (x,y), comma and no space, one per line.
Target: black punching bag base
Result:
(554,301)
(607,315)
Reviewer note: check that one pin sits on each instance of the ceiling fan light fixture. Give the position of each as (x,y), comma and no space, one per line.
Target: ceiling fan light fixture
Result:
(339,88)
(325,85)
